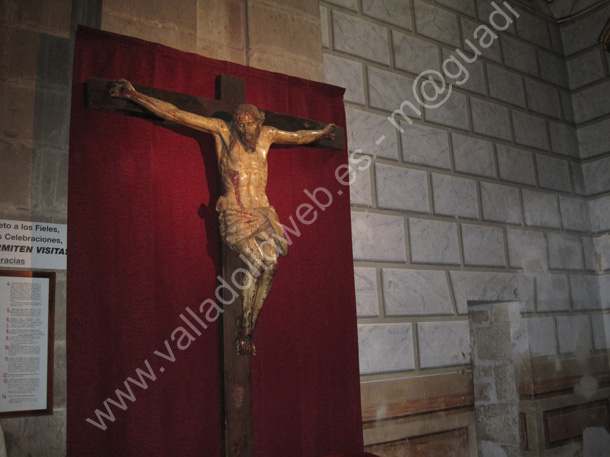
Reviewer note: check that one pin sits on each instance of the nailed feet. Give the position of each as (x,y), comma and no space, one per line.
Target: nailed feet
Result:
(244,344)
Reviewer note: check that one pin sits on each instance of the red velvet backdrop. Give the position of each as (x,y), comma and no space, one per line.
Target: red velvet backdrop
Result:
(144,247)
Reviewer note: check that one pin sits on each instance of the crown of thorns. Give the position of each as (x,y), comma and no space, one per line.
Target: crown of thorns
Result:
(248,109)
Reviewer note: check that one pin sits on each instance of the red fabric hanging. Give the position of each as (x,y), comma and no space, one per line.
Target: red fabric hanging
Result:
(144,250)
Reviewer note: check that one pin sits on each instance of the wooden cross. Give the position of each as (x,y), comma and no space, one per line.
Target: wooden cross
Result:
(236,386)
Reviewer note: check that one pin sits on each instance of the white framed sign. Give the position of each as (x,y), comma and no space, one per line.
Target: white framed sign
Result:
(25,244)
(26,353)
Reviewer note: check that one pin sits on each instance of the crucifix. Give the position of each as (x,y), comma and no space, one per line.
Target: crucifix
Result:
(251,231)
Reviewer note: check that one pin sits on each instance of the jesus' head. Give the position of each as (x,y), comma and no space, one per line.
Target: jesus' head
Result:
(247,123)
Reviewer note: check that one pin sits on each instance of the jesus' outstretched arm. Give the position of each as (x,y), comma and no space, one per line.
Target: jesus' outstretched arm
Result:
(302,136)
(124,89)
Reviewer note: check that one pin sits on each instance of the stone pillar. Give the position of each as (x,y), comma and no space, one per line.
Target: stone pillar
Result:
(35,91)
(492,339)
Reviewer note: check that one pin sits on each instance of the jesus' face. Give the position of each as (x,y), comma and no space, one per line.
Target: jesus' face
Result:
(248,129)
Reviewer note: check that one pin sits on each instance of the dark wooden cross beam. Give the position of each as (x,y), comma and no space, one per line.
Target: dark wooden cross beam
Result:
(237,423)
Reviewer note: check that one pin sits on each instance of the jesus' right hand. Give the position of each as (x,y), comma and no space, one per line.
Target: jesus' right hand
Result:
(119,88)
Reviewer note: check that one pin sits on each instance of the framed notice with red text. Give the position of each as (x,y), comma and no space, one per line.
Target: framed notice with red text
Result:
(27,300)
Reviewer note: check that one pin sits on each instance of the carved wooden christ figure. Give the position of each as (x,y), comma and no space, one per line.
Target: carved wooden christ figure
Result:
(248,224)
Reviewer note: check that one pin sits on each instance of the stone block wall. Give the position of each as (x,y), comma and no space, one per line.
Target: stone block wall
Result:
(488,146)
(589,82)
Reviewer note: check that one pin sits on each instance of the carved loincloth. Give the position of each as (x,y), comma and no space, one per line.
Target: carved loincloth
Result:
(238,224)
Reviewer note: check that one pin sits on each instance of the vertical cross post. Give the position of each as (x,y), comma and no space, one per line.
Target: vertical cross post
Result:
(237,420)
(237,424)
